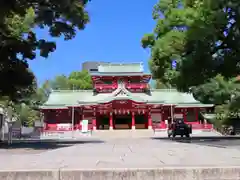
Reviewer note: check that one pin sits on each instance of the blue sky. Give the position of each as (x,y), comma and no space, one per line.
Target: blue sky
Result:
(113,34)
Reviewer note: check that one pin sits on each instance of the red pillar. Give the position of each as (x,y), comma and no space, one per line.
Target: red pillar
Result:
(185,115)
(80,122)
(110,122)
(133,121)
(162,123)
(196,115)
(146,122)
(94,121)
(149,121)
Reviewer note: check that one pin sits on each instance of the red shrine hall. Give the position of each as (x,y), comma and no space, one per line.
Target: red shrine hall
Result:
(121,99)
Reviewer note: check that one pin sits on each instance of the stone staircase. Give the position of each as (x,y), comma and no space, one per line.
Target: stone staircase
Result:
(116,134)
(139,133)
(195,132)
(67,135)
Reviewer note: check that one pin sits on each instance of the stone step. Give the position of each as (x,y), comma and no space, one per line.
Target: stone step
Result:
(123,133)
(195,132)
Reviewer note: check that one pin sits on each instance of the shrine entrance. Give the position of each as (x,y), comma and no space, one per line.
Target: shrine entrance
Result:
(103,122)
(122,121)
(141,121)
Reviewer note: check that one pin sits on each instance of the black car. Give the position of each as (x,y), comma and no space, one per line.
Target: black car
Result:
(179,128)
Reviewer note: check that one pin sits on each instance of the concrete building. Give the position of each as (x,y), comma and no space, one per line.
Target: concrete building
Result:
(92,66)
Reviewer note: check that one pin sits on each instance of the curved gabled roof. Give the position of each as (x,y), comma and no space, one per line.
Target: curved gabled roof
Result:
(82,97)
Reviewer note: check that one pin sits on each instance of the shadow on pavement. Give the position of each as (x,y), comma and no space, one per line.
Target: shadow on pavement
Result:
(213,141)
(203,137)
(43,145)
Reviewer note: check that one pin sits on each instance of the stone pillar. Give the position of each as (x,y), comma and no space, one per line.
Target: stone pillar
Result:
(110,121)
(133,121)
(149,120)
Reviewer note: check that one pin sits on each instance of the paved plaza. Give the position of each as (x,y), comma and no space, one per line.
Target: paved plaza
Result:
(124,153)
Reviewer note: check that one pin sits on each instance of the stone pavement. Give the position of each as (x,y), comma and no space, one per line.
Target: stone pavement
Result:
(126,154)
(196,133)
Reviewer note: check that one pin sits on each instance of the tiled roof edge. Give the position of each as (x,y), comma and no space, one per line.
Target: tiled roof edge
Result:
(121,64)
(72,91)
(165,90)
(91,90)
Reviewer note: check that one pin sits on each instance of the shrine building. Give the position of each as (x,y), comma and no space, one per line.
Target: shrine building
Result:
(121,99)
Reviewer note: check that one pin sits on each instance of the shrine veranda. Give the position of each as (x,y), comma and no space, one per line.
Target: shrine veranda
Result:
(122,99)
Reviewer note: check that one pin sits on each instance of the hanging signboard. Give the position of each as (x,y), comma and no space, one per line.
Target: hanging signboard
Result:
(84,126)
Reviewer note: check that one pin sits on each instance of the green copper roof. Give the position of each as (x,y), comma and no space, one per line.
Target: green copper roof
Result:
(64,98)
(121,68)
(208,116)
(53,107)
(185,105)
(118,74)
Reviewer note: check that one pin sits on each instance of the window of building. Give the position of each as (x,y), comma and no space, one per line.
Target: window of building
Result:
(107,81)
(93,70)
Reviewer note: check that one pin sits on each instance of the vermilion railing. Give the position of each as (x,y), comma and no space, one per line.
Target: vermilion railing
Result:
(194,126)
(105,86)
(136,86)
(159,126)
(54,127)
(202,126)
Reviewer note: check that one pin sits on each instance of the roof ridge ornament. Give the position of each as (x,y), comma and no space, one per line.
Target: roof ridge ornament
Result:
(121,89)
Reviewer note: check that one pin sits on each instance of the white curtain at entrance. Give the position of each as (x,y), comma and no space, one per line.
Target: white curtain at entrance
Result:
(156,118)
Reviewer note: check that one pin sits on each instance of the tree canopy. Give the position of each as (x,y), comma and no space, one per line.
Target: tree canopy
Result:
(19,43)
(200,35)
(26,108)
(75,81)
(195,48)
(157,84)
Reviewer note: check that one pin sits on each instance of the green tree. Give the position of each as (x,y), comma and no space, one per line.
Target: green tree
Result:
(26,114)
(202,36)
(43,92)
(217,91)
(19,43)
(25,108)
(80,80)
(157,84)
(60,82)
(75,81)
(167,42)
